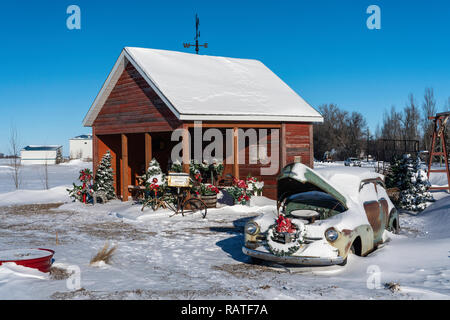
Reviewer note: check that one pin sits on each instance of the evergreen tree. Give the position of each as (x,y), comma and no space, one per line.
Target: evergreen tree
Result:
(422,185)
(104,179)
(393,177)
(176,167)
(154,172)
(414,185)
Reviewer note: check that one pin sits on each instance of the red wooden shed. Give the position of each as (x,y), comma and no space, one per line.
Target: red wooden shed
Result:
(149,94)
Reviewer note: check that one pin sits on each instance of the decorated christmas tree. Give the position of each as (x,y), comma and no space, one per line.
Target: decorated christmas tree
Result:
(104,179)
(154,175)
(83,192)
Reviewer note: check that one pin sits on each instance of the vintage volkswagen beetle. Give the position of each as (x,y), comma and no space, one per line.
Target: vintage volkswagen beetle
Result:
(322,215)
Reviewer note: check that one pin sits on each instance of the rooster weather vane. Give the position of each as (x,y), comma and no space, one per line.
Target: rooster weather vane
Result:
(197,35)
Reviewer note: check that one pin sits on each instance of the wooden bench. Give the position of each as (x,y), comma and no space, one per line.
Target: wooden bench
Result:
(225,181)
(137,192)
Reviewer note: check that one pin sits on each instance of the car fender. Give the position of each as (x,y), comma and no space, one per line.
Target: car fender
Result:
(393,216)
(347,237)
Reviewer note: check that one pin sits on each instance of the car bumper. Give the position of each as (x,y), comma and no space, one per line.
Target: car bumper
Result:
(305,261)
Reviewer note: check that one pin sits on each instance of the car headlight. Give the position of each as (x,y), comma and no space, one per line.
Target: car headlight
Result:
(331,234)
(251,228)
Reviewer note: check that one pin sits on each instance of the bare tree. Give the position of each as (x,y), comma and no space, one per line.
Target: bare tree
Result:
(392,125)
(14,150)
(340,131)
(428,110)
(411,119)
(44,176)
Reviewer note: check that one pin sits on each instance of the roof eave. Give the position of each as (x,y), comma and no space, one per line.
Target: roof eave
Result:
(250,118)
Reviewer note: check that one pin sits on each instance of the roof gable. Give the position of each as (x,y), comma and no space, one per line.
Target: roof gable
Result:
(198,87)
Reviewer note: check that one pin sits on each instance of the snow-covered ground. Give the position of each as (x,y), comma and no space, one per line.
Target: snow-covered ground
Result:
(164,257)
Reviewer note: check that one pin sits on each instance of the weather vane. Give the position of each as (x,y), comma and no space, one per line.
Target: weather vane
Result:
(197,35)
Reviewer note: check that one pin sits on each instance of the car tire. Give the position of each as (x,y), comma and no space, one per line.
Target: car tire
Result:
(396,228)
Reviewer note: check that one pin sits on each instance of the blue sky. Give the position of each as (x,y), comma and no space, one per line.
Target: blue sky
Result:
(323,49)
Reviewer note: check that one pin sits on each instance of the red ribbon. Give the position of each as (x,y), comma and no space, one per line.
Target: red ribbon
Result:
(284,225)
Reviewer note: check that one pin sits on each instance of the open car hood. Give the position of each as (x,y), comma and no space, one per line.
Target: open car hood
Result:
(297,178)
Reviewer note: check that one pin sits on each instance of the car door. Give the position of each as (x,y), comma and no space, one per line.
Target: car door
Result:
(382,199)
(372,207)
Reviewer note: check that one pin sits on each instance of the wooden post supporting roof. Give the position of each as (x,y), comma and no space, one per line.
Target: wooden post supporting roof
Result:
(186,148)
(236,152)
(95,155)
(124,167)
(148,150)
(283,160)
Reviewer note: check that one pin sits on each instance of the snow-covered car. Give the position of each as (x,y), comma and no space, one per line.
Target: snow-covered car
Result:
(322,215)
(352,162)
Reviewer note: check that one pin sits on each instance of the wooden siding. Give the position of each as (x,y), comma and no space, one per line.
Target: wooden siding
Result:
(134,107)
(298,142)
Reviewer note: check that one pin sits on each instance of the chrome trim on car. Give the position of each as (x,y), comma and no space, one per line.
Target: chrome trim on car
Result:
(307,261)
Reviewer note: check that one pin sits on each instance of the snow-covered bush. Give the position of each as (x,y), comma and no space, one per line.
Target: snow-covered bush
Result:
(207,170)
(412,181)
(176,167)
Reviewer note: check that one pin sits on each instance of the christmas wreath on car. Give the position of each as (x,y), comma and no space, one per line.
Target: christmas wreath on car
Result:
(284,238)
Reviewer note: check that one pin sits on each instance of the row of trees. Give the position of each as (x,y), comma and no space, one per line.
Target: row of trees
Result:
(346,134)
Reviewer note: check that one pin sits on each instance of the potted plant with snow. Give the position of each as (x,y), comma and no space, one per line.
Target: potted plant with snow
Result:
(208,195)
(240,193)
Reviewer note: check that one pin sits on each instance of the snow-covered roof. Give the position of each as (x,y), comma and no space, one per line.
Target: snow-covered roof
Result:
(83,137)
(41,148)
(201,87)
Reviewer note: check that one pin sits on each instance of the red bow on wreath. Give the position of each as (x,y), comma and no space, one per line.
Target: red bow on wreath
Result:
(284,225)
(85,176)
(154,187)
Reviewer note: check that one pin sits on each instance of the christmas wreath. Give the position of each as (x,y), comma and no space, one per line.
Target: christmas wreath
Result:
(284,238)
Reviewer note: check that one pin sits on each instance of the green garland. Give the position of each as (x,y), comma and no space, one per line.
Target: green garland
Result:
(290,249)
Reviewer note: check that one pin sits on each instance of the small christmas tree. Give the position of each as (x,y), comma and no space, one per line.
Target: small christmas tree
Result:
(422,185)
(83,192)
(154,180)
(154,175)
(104,179)
(414,185)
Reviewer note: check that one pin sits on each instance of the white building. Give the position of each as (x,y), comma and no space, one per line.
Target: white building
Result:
(41,155)
(81,147)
